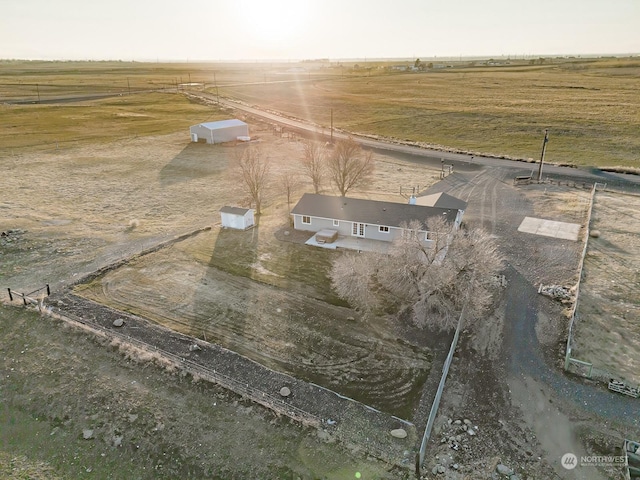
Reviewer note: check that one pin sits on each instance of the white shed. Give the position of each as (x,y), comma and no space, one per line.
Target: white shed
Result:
(236,217)
(219,132)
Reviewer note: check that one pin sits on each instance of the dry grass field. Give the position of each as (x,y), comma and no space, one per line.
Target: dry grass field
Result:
(72,210)
(590,106)
(608,323)
(86,184)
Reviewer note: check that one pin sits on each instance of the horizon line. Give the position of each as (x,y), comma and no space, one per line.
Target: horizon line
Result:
(332,59)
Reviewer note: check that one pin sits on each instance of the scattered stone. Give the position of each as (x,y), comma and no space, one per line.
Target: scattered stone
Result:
(331,422)
(441,469)
(455,466)
(399,433)
(324,436)
(54,431)
(514,477)
(87,434)
(471,432)
(434,470)
(116,441)
(118,322)
(504,470)
(458,422)
(132,417)
(285,392)
(557,292)
(594,233)
(466,421)
(194,347)
(287,233)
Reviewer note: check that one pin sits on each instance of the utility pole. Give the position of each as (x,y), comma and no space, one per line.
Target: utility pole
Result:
(544,147)
(332,125)
(215,82)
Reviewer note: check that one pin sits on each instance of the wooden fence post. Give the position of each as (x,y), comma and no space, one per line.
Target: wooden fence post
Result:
(48,290)
(10,296)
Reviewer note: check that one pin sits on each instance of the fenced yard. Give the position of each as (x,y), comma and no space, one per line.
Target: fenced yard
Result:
(607,328)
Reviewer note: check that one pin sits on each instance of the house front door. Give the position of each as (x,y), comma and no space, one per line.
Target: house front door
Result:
(358,229)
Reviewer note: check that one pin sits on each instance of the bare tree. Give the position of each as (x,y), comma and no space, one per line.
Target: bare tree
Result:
(433,281)
(254,170)
(290,182)
(348,166)
(313,163)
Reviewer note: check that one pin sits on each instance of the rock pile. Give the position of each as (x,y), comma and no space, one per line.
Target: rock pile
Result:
(557,292)
(9,236)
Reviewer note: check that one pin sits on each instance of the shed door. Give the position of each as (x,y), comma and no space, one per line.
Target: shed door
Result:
(357,229)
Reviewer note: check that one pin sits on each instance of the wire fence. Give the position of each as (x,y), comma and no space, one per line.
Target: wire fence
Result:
(278,405)
(436,401)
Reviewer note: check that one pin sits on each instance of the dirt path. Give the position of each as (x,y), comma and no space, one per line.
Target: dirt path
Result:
(511,361)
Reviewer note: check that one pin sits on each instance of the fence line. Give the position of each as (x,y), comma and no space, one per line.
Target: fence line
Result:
(438,396)
(574,308)
(27,296)
(267,400)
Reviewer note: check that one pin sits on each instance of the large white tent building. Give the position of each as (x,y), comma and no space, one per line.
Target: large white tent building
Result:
(220,132)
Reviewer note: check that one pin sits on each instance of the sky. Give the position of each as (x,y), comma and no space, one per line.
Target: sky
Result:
(216,30)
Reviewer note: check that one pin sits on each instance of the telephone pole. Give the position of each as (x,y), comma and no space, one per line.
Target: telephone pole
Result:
(544,147)
(332,126)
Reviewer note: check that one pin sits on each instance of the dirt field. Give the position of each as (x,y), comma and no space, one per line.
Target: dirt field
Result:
(608,317)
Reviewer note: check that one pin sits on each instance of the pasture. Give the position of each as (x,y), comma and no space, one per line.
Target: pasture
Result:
(590,106)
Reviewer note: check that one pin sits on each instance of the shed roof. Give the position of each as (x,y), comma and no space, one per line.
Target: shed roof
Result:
(373,212)
(235,210)
(233,122)
(441,200)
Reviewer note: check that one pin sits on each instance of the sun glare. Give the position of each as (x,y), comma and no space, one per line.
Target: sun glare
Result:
(273,23)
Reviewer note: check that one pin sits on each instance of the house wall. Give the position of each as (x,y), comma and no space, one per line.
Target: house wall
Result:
(318,224)
(345,228)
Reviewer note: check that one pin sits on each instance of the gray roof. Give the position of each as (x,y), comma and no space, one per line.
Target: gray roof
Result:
(372,212)
(442,200)
(234,210)
(222,124)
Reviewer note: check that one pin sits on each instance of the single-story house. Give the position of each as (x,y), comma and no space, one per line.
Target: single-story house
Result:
(370,219)
(220,131)
(236,217)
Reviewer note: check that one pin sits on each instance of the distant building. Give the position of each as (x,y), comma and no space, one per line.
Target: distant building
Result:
(220,132)
(237,218)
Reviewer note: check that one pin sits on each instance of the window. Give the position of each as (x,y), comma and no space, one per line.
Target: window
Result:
(336,223)
(306,219)
(383,229)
